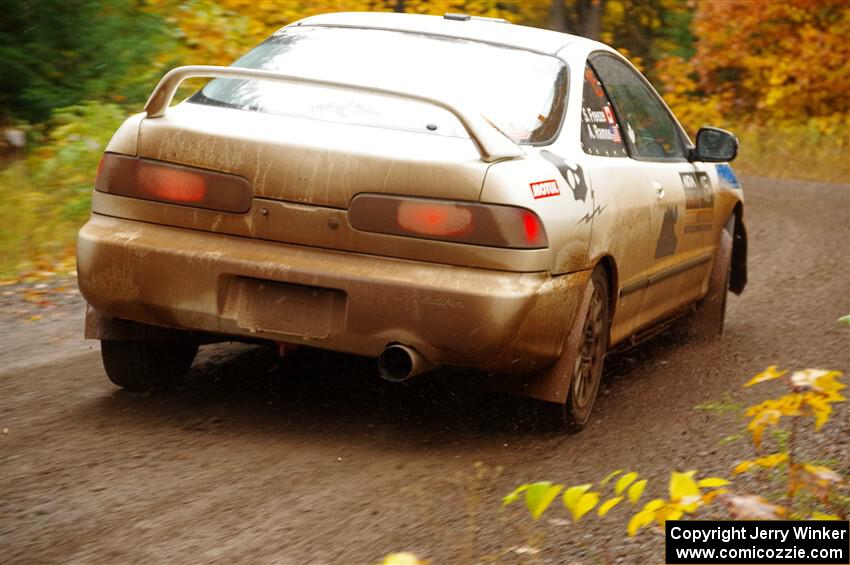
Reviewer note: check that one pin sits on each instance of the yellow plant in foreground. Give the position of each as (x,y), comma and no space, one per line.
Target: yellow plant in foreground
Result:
(812,392)
(402,559)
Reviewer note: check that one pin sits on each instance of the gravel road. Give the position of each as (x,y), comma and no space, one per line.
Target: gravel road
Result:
(311,459)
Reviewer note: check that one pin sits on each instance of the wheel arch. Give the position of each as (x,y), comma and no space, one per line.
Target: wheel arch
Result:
(609,265)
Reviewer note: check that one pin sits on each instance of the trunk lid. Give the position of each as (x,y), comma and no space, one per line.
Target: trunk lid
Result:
(313,162)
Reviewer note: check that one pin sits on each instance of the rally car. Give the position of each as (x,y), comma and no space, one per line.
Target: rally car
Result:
(425,190)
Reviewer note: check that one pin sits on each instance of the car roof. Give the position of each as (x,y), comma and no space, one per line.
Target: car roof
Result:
(478,29)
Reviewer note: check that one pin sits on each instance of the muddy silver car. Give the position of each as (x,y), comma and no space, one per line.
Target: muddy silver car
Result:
(428,191)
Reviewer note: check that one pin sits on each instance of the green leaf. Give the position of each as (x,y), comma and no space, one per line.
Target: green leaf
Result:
(636,490)
(608,505)
(573,494)
(844,320)
(623,482)
(514,496)
(539,496)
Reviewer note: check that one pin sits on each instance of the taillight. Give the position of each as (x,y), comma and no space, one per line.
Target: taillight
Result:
(493,225)
(172,183)
(436,220)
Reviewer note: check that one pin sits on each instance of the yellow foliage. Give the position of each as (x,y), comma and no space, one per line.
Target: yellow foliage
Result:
(579,502)
(402,559)
(766,462)
(584,505)
(606,506)
(767,375)
(813,393)
(624,482)
(573,494)
(822,516)
(712,482)
(775,73)
(785,60)
(645,517)
(610,476)
(636,490)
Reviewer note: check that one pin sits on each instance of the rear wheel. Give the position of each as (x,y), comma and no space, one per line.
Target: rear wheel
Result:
(585,370)
(147,365)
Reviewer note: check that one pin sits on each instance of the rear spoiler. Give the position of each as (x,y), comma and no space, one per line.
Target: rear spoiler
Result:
(491,143)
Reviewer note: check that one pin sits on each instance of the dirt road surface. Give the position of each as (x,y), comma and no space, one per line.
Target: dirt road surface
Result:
(313,460)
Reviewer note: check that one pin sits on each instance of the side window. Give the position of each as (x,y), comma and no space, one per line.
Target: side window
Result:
(600,132)
(650,131)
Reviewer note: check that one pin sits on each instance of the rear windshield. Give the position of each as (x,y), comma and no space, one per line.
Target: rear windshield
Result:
(519,91)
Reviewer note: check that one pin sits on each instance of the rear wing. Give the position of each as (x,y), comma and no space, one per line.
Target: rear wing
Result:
(492,144)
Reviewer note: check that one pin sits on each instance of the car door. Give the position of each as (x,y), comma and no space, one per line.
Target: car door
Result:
(621,203)
(682,204)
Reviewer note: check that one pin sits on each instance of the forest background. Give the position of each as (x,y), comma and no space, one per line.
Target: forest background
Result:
(777,73)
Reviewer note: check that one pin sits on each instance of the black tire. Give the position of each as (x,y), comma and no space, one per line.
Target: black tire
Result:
(147,365)
(586,373)
(709,318)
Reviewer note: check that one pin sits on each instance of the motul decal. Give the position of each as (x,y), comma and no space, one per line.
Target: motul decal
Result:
(545,188)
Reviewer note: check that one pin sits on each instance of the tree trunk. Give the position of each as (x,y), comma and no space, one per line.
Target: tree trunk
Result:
(589,14)
(581,17)
(557,16)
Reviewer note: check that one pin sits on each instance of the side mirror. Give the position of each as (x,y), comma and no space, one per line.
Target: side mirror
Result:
(714,145)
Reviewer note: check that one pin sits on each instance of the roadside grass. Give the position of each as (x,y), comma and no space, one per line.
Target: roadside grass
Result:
(45,194)
(801,152)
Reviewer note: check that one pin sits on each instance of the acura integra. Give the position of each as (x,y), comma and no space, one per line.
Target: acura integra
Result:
(425,190)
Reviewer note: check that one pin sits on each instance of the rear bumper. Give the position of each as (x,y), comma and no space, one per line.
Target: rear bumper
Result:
(221,284)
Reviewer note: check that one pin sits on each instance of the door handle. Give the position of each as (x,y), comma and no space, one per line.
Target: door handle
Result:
(659,189)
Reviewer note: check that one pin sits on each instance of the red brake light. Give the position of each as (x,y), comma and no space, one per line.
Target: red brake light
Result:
(172,183)
(99,168)
(493,225)
(436,220)
(532,226)
(161,183)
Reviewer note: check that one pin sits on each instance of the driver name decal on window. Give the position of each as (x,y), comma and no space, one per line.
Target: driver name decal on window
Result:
(600,132)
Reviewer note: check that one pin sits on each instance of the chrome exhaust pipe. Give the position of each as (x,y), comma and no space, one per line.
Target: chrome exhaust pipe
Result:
(399,362)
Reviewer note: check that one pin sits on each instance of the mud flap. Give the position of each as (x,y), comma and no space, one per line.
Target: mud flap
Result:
(551,384)
(99,326)
(710,314)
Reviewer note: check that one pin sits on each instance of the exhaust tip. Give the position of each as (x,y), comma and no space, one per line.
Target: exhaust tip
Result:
(398,363)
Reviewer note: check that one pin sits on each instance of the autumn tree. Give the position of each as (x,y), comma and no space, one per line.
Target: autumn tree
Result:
(770,60)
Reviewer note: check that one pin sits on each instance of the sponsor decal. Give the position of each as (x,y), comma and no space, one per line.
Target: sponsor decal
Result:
(698,192)
(571,172)
(667,240)
(727,176)
(545,188)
